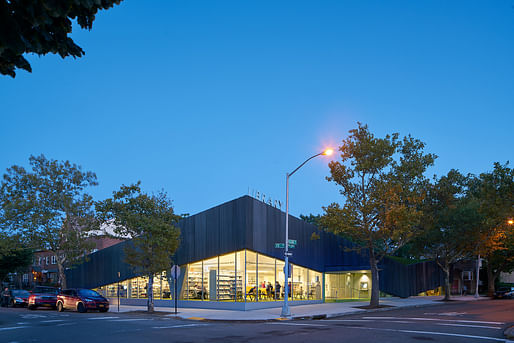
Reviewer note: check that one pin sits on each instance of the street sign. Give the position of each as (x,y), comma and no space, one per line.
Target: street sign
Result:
(292,241)
(175,272)
(288,254)
(282,245)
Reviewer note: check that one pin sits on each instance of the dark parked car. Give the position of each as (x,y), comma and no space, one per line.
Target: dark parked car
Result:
(43,296)
(82,300)
(504,292)
(19,297)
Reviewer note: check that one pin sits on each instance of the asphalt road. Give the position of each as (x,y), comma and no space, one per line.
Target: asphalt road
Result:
(477,321)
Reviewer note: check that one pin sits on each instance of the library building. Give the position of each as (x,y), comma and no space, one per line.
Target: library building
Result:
(231,257)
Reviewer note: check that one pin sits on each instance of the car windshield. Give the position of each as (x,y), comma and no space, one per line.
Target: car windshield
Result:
(47,290)
(20,293)
(88,293)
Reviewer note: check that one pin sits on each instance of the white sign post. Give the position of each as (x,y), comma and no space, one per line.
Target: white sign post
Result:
(175,273)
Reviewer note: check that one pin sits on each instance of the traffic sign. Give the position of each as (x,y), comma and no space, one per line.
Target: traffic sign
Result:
(292,241)
(175,272)
(288,253)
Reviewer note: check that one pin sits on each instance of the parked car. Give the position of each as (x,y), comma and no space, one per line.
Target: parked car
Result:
(82,300)
(19,297)
(504,292)
(43,297)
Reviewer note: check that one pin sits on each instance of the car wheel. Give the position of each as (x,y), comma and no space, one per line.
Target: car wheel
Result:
(81,308)
(104,309)
(60,308)
(32,307)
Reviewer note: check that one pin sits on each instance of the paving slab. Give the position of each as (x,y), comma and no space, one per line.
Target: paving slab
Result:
(311,311)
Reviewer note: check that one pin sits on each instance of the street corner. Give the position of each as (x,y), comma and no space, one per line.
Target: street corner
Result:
(509,331)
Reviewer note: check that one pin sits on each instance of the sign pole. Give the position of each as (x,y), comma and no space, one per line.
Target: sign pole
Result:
(175,291)
(118,292)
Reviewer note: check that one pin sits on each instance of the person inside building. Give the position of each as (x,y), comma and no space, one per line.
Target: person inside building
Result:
(277,290)
(269,290)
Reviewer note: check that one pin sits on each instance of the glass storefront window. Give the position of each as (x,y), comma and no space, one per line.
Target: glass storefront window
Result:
(299,283)
(279,283)
(266,279)
(251,276)
(210,270)
(240,275)
(194,275)
(245,276)
(348,285)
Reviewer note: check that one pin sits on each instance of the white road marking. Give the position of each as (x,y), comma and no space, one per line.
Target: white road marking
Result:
(64,324)
(32,316)
(22,323)
(428,333)
(52,321)
(437,319)
(445,314)
(128,320)
(299,324)
(177,326)
(12,328)
(347,320)
(471,326)
(98,318)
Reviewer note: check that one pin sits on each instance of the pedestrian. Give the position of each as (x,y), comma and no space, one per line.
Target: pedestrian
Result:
(5,297)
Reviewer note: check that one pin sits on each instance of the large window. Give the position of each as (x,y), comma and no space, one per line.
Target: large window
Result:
(348,285)
(242,276)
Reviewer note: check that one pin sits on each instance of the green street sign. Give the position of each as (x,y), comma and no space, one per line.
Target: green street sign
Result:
(292,241)
(282,245)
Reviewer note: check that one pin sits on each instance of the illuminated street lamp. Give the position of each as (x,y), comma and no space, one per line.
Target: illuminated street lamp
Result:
(285,308)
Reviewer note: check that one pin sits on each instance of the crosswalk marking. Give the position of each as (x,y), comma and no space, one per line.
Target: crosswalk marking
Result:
(436,319)
(177,326)
(98,318)
(471,326)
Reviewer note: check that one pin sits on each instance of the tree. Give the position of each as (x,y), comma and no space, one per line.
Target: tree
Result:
(42,27)
(382,182)
(494,191)
(14,255)
(449,223)
(49,208)
(150,221)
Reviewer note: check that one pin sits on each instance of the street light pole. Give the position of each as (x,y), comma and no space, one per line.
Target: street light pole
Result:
(286,313)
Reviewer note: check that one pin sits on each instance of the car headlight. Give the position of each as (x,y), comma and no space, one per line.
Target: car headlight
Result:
(89,300)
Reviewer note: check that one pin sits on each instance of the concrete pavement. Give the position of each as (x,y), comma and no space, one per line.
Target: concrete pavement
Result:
(312,311)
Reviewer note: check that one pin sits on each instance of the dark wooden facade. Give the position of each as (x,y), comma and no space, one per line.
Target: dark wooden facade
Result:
(247,223)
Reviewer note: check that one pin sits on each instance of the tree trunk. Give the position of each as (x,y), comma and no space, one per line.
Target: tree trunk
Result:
(491,277)
(62,275)
(149,293)
(447,287)
(375,287)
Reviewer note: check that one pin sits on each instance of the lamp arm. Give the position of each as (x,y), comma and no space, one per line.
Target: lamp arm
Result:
(301,165)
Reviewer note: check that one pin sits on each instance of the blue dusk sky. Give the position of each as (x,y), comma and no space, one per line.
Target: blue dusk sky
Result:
(210,99)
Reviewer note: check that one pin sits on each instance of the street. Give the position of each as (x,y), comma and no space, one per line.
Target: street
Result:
(477,321)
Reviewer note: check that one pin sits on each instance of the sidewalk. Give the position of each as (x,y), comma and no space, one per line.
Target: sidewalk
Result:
(325,310)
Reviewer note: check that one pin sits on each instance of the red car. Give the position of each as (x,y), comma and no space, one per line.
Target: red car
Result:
(43,296)
(82,300)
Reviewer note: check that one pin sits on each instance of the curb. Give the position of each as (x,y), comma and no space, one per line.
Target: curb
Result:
(508,331)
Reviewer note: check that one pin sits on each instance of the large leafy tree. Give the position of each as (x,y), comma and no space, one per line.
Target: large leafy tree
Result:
(449,224)
(42,27)
(382,183)
(494,191)
(49,207)
(150,221)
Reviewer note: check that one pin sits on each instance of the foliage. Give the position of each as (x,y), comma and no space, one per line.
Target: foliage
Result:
(49,208)
(14,256)
(449,223)
(150,221)
(42,27)
(494,192)
(383,185)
